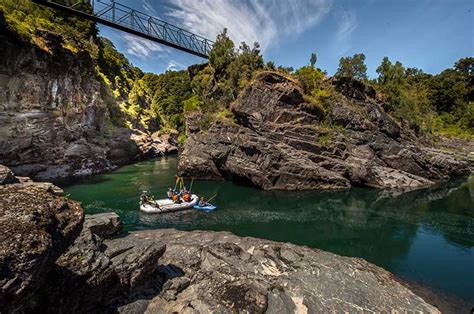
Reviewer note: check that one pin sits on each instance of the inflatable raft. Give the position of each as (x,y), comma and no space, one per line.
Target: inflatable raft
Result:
(167,205)
(205,208)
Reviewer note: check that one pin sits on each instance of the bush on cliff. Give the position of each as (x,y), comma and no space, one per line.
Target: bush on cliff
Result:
(227,73)
(441,103)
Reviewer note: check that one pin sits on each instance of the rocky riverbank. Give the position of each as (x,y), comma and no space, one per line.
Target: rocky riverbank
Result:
(279,140)
(58,262)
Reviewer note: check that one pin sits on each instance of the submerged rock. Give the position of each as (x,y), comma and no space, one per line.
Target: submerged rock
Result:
(280,141)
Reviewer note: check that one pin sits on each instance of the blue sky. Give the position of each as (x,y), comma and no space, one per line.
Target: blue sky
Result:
(427,34)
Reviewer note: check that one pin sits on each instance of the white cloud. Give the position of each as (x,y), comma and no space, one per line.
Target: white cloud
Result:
(143,48)
(347,23)
(174,66)
(149,8)
(267,22)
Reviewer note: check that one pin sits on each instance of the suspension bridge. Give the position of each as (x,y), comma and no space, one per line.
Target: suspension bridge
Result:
(124,18)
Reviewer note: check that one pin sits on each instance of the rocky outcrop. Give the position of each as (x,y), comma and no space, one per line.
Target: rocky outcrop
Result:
(54,116)
(280,141)
(101,274)
(7,176)
(220,272)
(36,227)
(206,272)
(49,264)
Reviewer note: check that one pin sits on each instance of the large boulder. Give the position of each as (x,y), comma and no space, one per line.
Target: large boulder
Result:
(219,272)
(7,176)
(36,227)
(99,274)
(279,140)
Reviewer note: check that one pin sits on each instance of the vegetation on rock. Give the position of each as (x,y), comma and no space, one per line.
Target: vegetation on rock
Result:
(441,103)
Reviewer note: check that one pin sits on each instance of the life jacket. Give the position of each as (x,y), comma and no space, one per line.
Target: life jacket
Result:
(175,198)
(186,197)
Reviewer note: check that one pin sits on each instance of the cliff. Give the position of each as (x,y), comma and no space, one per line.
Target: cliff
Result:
(62,264)
(280,140)
(58,115)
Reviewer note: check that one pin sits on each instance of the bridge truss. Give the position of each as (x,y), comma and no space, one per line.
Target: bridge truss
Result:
(121,17)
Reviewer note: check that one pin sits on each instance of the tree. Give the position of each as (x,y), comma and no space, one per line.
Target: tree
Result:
(313,60)
(270,66)
(222,53)
(465,66)
(309,78)
(353,67)
(390,73)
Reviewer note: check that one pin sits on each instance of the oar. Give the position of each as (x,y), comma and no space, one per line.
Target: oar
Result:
(191,185)
(176,183)
(211,198)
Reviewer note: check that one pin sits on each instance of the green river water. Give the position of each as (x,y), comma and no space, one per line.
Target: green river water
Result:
(424,236)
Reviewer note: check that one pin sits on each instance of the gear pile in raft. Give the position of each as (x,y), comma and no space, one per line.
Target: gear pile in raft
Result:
(177,199)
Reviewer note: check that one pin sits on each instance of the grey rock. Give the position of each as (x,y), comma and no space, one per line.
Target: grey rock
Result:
(104,225)
(228,273)
(279,141)
(7,176)
(102,274)
(36,227)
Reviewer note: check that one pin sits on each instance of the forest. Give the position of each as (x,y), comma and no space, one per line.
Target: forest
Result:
(426,103)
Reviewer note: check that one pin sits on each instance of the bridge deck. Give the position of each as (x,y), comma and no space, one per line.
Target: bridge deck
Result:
(129,20)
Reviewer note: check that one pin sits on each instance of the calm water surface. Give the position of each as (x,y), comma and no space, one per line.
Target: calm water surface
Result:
(425,236)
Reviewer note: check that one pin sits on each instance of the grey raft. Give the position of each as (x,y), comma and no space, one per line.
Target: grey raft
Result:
(149,205)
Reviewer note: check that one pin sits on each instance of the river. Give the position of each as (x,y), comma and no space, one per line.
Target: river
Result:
(424,236)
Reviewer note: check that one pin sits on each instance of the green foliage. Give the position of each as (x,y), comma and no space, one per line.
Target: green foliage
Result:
(309,78)
(327,131)
(182,138)
(26,18)
(312,60)
(429,103)
(390,73)
(222,54)
(353,67)
(229,71)
(270,65)
(192,104)
(116,70)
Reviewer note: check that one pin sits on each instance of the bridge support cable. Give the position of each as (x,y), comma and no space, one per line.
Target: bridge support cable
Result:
(124,18)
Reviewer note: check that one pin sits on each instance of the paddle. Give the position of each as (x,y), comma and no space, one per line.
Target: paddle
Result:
(211,198)
(176,184)
(191,186)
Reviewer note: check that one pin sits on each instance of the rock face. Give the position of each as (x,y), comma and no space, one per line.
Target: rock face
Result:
(220,272)
(101,275)
(53,114)
(36,227)
(279,141)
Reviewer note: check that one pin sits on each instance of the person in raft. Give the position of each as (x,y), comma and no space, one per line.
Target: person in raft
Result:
(170,193)
(186,195)
(176,198)
(202,202)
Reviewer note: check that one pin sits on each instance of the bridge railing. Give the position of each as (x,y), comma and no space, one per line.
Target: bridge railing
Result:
(122,17)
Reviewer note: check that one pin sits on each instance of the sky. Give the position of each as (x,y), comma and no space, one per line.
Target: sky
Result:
(427,34)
